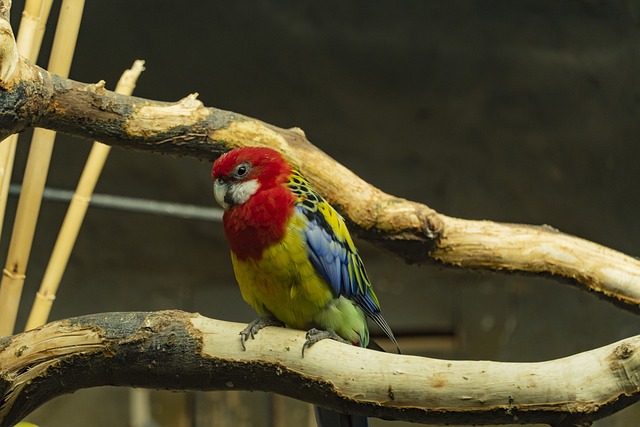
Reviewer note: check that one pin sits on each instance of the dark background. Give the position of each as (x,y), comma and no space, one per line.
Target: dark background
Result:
(509,111)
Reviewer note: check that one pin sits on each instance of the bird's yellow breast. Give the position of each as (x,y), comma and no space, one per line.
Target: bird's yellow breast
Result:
(283,282)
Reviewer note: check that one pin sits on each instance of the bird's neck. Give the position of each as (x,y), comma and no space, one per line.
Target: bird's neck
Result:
(260,222)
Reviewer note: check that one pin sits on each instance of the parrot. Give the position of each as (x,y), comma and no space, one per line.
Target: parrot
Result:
(293,257)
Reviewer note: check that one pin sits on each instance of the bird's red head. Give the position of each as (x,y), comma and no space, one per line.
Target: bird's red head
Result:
(247,182)
(241,172)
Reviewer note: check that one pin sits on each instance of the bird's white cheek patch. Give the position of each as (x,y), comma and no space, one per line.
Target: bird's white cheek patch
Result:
(242,191)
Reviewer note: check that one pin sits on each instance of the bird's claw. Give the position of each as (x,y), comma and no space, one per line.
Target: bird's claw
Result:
(252,328)
(314,335)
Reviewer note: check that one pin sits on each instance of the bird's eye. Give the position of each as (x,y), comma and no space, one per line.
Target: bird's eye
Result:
(241,170)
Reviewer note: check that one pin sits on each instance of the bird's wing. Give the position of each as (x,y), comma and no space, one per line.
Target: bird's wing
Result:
(332,251)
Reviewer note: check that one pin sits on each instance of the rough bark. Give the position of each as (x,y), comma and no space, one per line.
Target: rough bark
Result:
(182,351)
(29,96)
(178,351)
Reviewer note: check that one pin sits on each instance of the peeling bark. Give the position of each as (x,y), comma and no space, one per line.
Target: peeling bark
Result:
(179,351)
(182,351)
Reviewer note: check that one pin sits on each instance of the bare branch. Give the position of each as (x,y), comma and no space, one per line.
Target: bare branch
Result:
(411,230)
(541,250)
(5,9)
(181,351)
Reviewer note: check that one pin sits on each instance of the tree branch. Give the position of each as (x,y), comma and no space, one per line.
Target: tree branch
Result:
(29,96)
(181,351)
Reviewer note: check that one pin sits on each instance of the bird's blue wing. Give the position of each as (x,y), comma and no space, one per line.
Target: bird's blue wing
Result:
(332,257)
(338,262)
(332,252)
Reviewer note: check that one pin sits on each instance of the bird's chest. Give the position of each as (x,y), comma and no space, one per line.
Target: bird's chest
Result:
(282,282)
(259,223)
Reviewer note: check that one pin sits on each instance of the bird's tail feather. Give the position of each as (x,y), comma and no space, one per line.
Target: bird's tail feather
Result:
(328,418)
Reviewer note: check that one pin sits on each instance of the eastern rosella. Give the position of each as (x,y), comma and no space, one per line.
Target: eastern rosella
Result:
(292,254)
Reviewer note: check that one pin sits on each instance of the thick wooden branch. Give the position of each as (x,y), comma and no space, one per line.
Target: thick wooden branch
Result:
(29,96)
(541,250)
(181,351)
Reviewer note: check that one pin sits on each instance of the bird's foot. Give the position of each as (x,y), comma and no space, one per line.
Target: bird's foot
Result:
(252,328)
(314,335)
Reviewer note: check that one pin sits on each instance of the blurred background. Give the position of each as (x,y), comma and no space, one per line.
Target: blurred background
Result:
(522,112)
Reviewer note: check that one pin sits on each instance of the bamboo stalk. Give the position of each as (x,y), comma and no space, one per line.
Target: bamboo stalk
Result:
(13,275)
(75,215)
(7,156)
(39,9)
(32,26)
(140,408)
